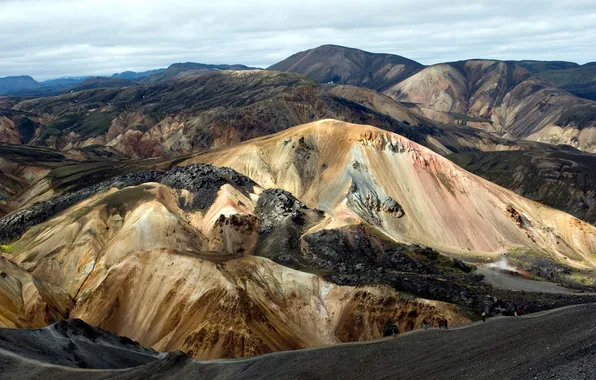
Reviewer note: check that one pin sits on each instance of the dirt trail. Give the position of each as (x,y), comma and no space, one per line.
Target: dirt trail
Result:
(503,281)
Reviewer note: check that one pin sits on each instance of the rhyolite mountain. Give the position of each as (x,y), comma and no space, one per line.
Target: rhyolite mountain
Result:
(341,65)
(315,235)
(502,98)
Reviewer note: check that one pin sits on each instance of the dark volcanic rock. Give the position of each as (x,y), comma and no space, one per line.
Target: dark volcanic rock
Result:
(283,220)
(73,343)
(360,255)
(275,207)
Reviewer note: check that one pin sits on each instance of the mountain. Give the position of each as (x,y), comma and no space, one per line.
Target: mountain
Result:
(338,167)
(563,180)
(100,82)
(564,350)
(315,236)
(18,84)
(502,98)
(536,67)
(182,70)
(63,83)
(341,65)
(578,80)
(220,108)
(131,75)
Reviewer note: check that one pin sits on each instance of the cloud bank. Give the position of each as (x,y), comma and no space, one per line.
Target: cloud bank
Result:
(49,39)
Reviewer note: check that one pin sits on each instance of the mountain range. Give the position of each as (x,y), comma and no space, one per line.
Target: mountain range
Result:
(227,212)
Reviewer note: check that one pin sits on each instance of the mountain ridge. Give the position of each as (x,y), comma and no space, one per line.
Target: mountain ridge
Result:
(349,66)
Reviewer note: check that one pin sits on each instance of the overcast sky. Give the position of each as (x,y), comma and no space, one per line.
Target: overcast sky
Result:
(48,39)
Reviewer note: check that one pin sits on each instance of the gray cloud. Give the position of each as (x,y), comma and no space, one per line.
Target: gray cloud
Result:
(82,37)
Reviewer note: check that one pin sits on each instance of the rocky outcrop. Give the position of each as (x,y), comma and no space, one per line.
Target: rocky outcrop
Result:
(277,207)
(392,207)
(515,216)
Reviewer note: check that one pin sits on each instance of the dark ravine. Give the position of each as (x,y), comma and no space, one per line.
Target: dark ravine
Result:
(528,347)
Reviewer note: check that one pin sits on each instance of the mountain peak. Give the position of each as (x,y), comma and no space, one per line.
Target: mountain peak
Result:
(343,65)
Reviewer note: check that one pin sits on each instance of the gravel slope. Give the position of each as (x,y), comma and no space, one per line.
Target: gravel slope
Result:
(554,344)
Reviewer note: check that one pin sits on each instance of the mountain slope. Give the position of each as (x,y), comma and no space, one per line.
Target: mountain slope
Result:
(563,180)
(579,80)
(541,346)
(405,190)
(503,98)
(26,301)
(74,343)
(132,75)
(182,70)
(341,65)
(99,82)
(538,66)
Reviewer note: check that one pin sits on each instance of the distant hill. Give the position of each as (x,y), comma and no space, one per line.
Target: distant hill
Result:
(580,80)
(101,82)
(64,82)
(137,75)
(342,65)
(16,84)
(182,70)
(536,67)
